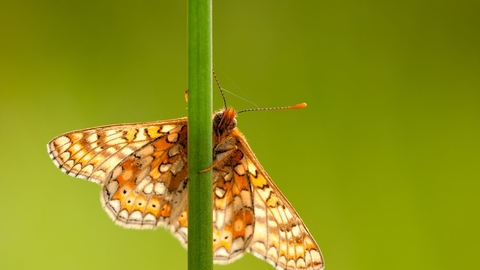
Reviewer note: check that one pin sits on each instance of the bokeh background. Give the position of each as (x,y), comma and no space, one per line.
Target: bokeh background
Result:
(383,164)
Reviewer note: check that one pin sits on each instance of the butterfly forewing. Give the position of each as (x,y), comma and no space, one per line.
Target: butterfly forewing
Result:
(142,169)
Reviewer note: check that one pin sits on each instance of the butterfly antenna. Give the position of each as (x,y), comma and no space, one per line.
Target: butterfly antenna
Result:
(220,88)
(291,107)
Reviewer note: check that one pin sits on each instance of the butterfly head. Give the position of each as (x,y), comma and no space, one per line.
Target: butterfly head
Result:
(224,122)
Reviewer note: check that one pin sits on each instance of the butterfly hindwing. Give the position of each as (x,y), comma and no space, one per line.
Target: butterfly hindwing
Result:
(149,187)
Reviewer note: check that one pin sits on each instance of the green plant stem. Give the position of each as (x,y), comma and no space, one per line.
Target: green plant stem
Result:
(200,185)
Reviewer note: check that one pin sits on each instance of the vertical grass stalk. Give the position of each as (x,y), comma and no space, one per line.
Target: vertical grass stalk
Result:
(200,134)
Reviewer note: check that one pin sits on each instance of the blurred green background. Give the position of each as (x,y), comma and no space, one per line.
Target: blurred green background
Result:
(383,164)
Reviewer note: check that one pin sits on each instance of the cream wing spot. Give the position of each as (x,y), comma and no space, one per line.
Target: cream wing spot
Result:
(126,152)
(288,214)
(87,157)
(145,151)
(75,148)
(245,197)
(79,155)
(258,249)
(176,129)
(164,167)
(252,169)
(150,219)
(114,205)
(148,188)
(146,161)
(135,216)
(111,188)
(141,135)
(174,150)
(316,257)
(221,252)
(282,260)
(167,128)
(159,188)
(297,233)
(272,223)
(68,165)
(87,170)
(308,259)
(116,172)
(123,215)
(64,156)
(91,138)
(238,244)
(301,263)
(229,175)
(110,132)
(219,219)
(76,136)
(291,247)
(299,250)
(177,166)
(76,168)
(240,169)
(61,141)
(172,138)
(219,192)
(291,264)
(272,252)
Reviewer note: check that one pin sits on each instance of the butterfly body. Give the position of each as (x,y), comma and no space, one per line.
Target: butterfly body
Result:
(143,171)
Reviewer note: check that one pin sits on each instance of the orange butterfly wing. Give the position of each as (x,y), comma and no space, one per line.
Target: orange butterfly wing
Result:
(250,212)
(280,236)
(142,169)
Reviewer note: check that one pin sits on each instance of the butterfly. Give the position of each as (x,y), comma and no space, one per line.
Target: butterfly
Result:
(142,168)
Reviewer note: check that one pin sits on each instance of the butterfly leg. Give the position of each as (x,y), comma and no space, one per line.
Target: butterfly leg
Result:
(226,154)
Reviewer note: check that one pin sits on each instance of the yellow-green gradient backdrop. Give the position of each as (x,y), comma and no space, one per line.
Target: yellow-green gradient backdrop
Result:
(383,164)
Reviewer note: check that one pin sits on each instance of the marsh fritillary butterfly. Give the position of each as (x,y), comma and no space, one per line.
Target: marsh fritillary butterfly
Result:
(142,169)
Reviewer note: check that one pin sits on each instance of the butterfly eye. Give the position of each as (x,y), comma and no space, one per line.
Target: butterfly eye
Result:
(217,118)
